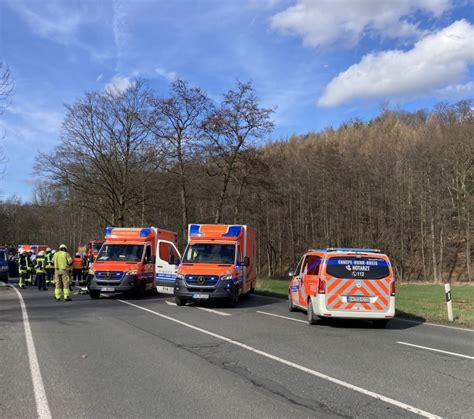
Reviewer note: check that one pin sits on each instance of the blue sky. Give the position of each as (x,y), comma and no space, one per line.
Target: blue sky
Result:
(319,62)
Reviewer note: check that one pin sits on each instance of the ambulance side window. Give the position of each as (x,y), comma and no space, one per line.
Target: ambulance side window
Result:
(148,254)
(298,268)
(173,256)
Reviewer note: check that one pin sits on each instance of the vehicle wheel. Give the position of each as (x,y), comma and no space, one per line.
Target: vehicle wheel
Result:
(179,301)
(291,306)
(312,319)
(94,294)
(380,323)
(234,299)
(139,291)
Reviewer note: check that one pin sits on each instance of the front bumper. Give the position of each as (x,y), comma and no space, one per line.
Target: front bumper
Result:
(126,284)
(223,290)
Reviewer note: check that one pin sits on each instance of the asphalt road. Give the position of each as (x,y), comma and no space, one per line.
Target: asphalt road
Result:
(118,357)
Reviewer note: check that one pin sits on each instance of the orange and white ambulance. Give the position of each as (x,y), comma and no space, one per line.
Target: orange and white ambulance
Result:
(343,283)
(130,259)
(219,263)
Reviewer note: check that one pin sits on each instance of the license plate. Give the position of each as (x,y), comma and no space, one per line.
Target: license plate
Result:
(165,290)
(200,296)
(107,289)
(357,299)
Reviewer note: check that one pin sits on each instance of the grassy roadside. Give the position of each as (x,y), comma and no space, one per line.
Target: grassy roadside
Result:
(423,302)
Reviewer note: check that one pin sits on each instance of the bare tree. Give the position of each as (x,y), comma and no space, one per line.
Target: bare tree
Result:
(176,125)
(237,124)
(105,153)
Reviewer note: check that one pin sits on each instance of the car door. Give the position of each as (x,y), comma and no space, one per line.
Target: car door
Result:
(167,256)
(295,283)
(148,267)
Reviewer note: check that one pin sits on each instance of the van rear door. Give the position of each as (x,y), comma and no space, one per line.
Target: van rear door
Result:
(358,283)
(165,269)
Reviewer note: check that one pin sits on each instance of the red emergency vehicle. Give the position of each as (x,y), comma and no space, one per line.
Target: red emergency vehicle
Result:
(219,263)
(344,283)
(127,261)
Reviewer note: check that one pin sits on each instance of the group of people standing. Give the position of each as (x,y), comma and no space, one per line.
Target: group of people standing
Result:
(52,268)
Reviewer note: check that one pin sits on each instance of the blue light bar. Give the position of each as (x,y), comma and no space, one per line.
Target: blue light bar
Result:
(348,249)
(144,232)
(194,230)
(233,231)
(108,231)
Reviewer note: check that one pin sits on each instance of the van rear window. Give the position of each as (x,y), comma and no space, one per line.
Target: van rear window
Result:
(362,268)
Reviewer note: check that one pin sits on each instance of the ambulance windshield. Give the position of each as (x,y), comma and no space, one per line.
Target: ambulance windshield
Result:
(121,252)
(222,254)
(361,268)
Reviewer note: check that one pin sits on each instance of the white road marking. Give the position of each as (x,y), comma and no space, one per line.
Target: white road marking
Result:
(281,317)
(464,329)
(291,364)
(220,313)
(42,407)
(436,350)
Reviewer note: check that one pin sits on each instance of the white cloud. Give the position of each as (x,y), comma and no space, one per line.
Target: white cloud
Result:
(437,61)
(457,91)
(52,21)
(99,77)
(118,85)
(167,75)
(322,22)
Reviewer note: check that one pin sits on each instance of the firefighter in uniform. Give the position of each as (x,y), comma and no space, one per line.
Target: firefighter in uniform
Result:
(24,269)
(40,269)
(49,266)
(62,265)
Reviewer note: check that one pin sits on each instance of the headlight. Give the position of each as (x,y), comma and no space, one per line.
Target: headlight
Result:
(226,277)
(91,271)
(180,276)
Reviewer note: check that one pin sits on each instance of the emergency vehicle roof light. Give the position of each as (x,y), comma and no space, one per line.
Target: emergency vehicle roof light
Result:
(233,231)
(108,231)
(194,230)
(354,250)
(144,232)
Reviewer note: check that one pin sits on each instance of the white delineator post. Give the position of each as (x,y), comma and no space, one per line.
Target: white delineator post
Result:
(447,290)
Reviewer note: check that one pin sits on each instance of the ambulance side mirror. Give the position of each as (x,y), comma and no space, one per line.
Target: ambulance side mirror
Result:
(246,262)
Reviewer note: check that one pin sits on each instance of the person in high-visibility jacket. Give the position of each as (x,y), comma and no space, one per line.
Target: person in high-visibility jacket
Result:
(62,264)
(77,269)
(40,269)
(25,267)
(49,266)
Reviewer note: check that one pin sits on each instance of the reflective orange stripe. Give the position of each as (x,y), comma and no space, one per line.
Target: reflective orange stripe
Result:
(334,284)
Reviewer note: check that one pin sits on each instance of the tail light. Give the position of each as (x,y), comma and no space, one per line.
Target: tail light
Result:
(392,289)
(321,286)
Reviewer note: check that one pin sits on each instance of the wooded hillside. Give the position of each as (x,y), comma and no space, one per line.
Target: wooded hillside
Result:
(403,182)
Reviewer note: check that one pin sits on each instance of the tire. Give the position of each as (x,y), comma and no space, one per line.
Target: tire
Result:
(139,291)
(291,306)
(312,319)
(94,294)
(380,323)
(234,299)
(179,301)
